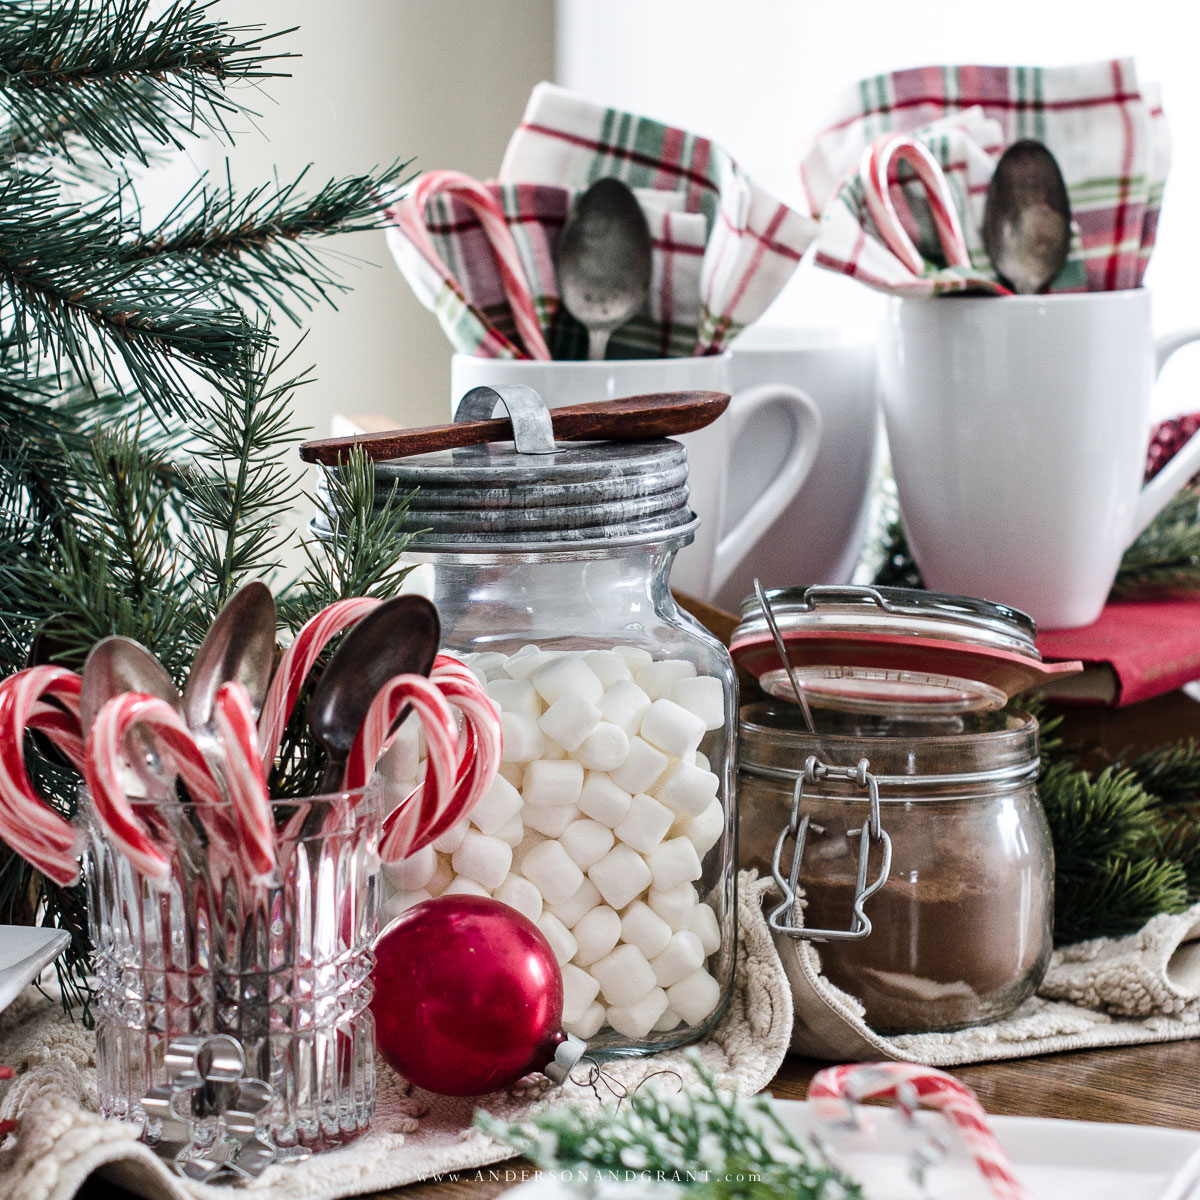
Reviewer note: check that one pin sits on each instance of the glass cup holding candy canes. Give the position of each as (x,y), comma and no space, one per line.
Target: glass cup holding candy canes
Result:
(611,822)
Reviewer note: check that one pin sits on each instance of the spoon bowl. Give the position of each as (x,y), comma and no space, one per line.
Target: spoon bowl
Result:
(1027,218)
(400,637)
(603,261)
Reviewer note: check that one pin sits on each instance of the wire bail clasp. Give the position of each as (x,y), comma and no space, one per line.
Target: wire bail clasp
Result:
(871,833)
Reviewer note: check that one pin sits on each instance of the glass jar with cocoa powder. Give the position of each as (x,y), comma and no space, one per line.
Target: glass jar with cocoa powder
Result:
(913,795)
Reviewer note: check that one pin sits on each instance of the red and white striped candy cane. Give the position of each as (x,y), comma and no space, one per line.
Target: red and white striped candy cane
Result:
(246,779)
(298,660)
(103,768)
(409,215)
(876,164)
(27,824)
(830,1088)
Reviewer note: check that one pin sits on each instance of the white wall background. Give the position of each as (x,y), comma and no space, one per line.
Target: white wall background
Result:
(755,76)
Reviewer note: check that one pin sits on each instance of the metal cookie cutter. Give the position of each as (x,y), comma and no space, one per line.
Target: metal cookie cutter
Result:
(205,1119)
(796,829)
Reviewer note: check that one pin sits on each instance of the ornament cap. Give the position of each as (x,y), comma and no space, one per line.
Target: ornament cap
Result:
(566,1054)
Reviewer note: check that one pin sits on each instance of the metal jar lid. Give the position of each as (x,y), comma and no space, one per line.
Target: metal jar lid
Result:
(531,494)
(887,650)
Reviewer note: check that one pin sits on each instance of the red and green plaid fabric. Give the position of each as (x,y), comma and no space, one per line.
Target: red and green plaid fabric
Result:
(1107,131)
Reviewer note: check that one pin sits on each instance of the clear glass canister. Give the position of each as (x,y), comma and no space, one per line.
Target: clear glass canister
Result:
(907,816)
(960,932)
(611,824)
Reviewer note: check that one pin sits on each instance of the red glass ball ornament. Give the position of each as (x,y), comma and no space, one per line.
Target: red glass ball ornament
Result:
(468,996)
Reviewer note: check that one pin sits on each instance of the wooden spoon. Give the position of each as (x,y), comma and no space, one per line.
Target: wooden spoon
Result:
(631,419)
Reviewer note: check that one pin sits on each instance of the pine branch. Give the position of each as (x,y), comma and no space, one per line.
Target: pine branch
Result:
(1118,896)
(239,490)
(118,75)
(1165,558)
(1172,775)
(66,297)
(260,246)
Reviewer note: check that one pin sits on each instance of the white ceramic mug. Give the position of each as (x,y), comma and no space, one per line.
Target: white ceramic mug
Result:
(702,568)
(818,537)
(1018,429)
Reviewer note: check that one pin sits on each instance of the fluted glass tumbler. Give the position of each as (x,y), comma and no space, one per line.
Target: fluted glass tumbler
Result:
(282,967)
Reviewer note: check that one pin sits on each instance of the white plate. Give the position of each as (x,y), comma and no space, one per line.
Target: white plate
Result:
(24,951)
(1056,1160)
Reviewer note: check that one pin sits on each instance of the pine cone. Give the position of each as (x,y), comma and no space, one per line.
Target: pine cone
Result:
(1167,439)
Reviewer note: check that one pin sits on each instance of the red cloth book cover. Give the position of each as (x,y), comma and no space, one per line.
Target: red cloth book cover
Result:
(1136,649)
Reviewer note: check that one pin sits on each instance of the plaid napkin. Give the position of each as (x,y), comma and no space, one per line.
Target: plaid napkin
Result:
(722,248)
(1108,133)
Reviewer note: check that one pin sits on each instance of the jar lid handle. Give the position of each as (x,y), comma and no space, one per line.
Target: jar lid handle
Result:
(532,431)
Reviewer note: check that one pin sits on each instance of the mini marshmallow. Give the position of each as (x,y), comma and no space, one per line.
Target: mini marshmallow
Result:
(443,876)
(674,905)
(668,1021)
(707,928)
(569,720)
(450,841)
(637,1020)
(596,933)
(484,859)
(672,729)
(393,906)
(520,894)
(683,955)
(496,807)
(570,911)
(523,740)
(704,696)
(642,927)
(530,839)
(657,678)
(686,788)
(511,832)
(404,754)
(674,862)
(621,875)
(550,869)
(642,768)
(695,996)
(550,820)
(645,824)
(586,841)
(607,666)
(624,705)
(479,673)
(606,747)
(414,872)
(559,936)
(579,991)
(515,695)
(602,800)
(590,1023)
(462,886)
(624,976)
(567,674)
(552,783)
(706,830)
(552,751)
(635,656)
(513,772)
(701,761)
(526,661)
(488,661)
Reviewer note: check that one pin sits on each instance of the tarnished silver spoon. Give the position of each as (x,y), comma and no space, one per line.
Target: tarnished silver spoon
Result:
(1027,218)
(400,637)
(603,261)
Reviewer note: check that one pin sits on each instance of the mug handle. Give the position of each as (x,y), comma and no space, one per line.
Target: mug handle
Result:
(737,542)
(1162,488)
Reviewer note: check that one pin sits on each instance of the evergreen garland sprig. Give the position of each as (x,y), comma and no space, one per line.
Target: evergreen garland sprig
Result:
(119,74)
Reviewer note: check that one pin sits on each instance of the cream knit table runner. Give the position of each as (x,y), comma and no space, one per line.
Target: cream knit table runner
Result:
(61,1141)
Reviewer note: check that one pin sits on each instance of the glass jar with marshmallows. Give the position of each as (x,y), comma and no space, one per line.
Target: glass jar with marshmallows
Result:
(611,823)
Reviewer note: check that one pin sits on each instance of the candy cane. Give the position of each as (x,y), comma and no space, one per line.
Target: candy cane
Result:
(297,662)
(246,779)
(103,766)
(409,215)
(830,1088)
(874,169)
(27,824)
